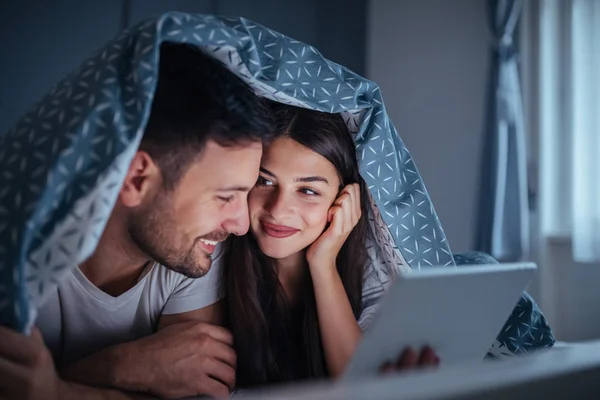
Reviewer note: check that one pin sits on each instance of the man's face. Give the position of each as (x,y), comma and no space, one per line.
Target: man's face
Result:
(180,228)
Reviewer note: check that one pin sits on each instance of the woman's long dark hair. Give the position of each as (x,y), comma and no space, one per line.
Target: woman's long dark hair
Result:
(276,341)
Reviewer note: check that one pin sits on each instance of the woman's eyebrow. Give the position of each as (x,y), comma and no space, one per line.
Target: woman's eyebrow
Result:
(267,172)
(306,179)
(309,179)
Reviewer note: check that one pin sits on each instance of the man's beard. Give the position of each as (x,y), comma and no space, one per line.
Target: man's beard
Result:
(153,229)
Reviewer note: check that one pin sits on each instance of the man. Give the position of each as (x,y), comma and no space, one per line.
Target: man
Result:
(134,316)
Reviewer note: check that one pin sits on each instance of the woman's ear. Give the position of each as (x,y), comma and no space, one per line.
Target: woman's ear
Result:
(141,181)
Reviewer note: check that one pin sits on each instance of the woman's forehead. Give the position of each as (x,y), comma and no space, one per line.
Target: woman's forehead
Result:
(286,156)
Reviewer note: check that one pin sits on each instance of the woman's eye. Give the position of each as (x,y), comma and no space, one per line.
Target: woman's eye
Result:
(262,181)
(308,192)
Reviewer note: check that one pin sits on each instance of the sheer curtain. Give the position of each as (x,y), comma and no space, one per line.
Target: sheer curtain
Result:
(569,123)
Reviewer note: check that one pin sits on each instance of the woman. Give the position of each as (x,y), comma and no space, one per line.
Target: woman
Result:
(294,282)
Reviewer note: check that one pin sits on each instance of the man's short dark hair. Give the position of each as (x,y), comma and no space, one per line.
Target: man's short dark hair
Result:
(197,98)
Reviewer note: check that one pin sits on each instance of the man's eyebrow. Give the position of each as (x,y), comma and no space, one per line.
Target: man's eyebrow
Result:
(234,189)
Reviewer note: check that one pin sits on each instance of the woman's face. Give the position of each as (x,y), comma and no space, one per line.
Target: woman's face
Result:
(290,202)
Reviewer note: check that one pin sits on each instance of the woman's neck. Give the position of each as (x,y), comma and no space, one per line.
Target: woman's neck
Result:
(291,271)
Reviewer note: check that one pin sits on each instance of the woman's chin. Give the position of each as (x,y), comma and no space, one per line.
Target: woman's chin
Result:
(275,252)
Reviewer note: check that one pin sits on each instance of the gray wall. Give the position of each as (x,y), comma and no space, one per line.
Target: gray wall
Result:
(431,60)
(42,41)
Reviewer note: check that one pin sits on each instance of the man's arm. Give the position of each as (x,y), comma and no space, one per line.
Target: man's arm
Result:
(188,355)
(108,367)
(75,391)
(27,372)
(212,314)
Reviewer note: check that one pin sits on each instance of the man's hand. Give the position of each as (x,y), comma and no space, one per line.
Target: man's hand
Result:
(410,359)
(26,368)
(184,359)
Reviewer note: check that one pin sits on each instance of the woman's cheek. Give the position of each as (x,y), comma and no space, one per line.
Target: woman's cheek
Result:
(255,202)
(315,217)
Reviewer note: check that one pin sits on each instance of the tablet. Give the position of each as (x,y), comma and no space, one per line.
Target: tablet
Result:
(458,312)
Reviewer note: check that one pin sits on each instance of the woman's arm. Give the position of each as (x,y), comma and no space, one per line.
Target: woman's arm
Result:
(340,332)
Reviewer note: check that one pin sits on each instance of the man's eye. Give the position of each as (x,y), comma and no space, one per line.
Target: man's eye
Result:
(226,199)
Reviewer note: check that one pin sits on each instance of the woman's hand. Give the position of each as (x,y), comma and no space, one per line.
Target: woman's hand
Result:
(411,359)
(343,217)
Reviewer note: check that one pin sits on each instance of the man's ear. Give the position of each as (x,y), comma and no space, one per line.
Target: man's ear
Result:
(141,181)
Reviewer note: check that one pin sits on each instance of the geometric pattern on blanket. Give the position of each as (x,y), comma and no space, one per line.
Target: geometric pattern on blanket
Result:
(62,164)
(82,135)
(526,329)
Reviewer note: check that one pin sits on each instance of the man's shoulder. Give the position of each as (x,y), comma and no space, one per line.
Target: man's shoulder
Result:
(187,294)
(160,276)
(164,275)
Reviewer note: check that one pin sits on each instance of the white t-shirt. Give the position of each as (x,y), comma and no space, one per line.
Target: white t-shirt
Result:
(79,319)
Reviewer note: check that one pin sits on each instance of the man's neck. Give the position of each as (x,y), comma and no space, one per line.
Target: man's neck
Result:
(117,263)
